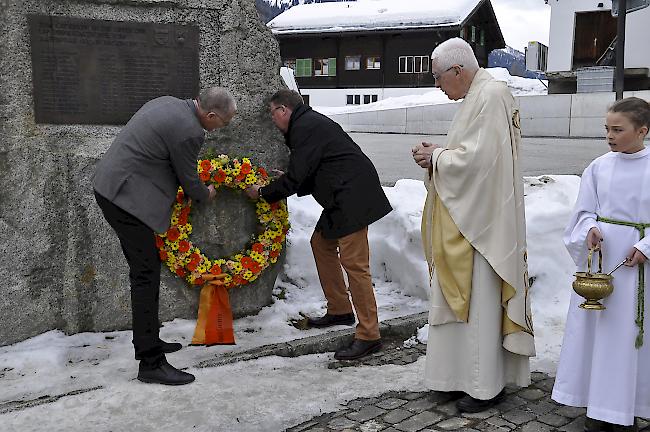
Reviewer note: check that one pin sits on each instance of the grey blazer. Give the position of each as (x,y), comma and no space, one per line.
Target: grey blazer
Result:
(152,155)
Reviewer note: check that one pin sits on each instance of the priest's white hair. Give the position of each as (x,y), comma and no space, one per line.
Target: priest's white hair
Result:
(454,51)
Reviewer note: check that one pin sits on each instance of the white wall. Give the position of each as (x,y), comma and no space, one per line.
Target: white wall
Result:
(338,97)
(560,49)
(560,115)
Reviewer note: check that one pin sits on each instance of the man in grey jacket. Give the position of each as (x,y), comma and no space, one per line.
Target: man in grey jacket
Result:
(135,185)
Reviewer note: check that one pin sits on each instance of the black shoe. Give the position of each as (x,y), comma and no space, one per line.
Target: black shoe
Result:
(448,396)
(170,347)
(593,425)
(470,405)
(359,348)
(164,373)
(619,428)
(331,320)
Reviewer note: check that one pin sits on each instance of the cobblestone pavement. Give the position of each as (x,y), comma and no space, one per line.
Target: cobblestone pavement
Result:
(525,410)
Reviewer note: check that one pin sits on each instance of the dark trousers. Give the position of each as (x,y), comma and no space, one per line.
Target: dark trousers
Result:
(139,247)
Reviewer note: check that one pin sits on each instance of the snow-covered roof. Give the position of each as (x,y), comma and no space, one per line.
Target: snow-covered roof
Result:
(363,15)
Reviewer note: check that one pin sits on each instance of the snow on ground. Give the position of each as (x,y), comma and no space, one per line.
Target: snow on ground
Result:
(273,393)
(518,87)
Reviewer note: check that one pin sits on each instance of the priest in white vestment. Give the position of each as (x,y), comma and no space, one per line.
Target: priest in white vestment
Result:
(474,238)
(605,362)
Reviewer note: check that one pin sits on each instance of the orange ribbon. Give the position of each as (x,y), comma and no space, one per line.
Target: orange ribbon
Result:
(214,324)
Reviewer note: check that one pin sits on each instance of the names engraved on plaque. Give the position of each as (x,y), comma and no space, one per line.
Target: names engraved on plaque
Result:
(101,72)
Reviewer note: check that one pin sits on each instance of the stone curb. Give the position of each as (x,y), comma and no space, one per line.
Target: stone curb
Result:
(401,327)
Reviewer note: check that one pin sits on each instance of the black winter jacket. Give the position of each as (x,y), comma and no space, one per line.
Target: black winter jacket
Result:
(327,164)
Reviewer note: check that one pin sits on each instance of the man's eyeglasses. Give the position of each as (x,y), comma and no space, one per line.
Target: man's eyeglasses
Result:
(437,76)
(225,123)
(277,107)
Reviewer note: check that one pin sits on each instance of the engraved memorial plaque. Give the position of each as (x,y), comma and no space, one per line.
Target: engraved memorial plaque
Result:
(101,72)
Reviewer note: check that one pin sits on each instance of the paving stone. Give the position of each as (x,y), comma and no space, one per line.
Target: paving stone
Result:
(412,396)
(454,423)
(448,408)
(317,429)
(537,376)
(536,426)
(357,404)
(366,413)
(419,421)
(552,419)
(372,426)
(643,423)
(541,407)
(390,403)
(532,394)
(482,415)
(499,422)
(571,412)
(418,405)
(397,415)
(519,416)
(341,423)
(391,429)
(546,385)
(303,426)
(577,425)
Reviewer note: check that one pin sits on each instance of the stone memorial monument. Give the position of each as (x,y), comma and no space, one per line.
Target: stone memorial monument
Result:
(72,72)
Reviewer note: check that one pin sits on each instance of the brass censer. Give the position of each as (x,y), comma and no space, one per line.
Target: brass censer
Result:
(594,286)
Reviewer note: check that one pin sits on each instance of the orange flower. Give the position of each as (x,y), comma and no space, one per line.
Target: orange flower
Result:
(255,268)
(220,176)
(278,239)
(159,242)
(180,196)
(247,262)
(184,246)
(274,254)
(192,265)
(180,272)
(215,270)
(198,281)
(245,169)
(263,173)
(258,247)
(241,176)
(163,255)
(206,165)
(173,234)
(204,176)
(275,206)
(182,219)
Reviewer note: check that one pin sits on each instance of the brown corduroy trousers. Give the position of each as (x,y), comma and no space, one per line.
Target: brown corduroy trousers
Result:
(350,252)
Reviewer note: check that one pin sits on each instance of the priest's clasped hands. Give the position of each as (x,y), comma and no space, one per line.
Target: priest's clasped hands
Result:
(422,153)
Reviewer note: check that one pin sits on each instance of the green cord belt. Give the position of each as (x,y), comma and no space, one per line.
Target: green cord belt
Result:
(640,296)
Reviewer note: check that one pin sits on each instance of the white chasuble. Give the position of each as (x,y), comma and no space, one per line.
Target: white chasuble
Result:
(476,177)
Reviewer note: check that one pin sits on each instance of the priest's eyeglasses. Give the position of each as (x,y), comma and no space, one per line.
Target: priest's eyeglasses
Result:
(437,76)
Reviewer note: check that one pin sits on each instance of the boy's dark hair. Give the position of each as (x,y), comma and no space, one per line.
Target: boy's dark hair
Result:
(635,109)
(289,98)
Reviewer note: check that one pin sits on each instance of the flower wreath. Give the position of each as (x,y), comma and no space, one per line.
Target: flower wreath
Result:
(187,260)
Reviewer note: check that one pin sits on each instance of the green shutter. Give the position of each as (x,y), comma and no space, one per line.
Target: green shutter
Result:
(331,63)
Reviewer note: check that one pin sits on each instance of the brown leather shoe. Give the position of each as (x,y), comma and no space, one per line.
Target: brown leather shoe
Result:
(331,320)
(359,348)
(469,404)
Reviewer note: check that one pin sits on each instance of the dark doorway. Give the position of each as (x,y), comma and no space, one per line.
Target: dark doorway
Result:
(594,31)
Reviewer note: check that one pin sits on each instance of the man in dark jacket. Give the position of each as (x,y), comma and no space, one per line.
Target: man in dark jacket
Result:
(327,164)
(135,186)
